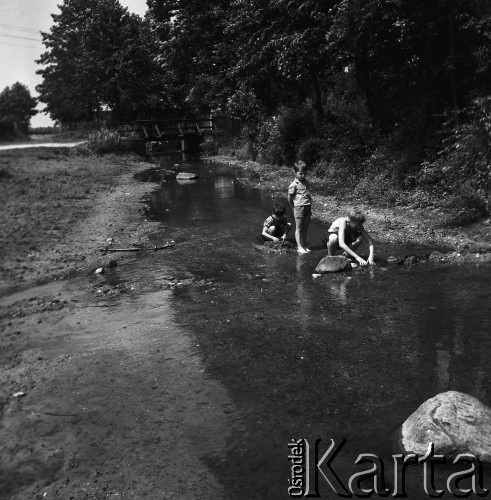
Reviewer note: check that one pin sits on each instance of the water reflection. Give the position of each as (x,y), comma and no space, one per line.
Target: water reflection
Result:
(347,355)
(224,187)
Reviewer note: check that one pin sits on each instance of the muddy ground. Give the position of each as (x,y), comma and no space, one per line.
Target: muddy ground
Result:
(103,406)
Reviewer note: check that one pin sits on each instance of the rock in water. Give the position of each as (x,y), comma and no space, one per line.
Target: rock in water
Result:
(392,259)
(454,422)
(333,264)
(186,176)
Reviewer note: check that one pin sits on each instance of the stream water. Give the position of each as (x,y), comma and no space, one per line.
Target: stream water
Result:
(342,356)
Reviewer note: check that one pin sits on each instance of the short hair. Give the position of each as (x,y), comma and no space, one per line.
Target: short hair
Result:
(357,216)
(300,165)
(279,209)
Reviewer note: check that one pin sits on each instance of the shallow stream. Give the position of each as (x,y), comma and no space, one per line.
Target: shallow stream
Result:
(342,356)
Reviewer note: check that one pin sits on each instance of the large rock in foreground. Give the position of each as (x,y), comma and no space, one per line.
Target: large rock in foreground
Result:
(454,422)
(333,264)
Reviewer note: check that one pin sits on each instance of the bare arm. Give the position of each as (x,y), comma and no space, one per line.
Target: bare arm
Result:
(267,235)
(287,228)
(371,247)
(342,244)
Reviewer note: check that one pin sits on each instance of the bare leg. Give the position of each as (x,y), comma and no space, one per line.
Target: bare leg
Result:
(332,244)
(305,228)
(298,237)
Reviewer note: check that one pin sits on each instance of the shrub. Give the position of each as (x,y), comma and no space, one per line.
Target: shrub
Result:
(378,188)
(209,147)
(104,141)
(7,131)
(268,142)
(461,171)
(279,137)
(310,150)
(293,126)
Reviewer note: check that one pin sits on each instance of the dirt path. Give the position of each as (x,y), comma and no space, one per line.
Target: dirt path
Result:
(100,397)
(10,147)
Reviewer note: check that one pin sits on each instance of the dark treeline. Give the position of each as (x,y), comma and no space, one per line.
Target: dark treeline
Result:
(17,107)
(383,95)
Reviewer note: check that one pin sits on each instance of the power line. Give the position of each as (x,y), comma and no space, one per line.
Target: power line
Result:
(21,37)
(19,45)
(19,28)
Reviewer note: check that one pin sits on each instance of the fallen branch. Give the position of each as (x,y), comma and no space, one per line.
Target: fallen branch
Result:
(137,249)
(132,249)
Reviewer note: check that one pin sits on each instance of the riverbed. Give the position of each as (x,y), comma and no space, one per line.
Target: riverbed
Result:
(342,356)
(185,372)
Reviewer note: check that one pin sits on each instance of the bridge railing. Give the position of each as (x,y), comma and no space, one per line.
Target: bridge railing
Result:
(166,128)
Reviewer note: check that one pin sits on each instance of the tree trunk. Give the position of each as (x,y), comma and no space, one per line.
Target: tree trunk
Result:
(362,70)
(451,66)
(317,101)
(360,52)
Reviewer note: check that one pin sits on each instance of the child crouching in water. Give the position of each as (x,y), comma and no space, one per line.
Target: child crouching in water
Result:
(276,226)
(347,234)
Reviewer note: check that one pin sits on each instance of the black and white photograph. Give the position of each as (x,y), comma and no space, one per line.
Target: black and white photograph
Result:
(245,249)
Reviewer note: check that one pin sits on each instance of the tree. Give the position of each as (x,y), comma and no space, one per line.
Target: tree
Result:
(17,106)
(193,51)
(98,56)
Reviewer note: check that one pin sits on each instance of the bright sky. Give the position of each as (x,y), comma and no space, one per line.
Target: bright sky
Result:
(20,41)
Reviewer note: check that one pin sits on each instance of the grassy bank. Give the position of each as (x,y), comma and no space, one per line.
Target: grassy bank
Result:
(60,205)
(388,223)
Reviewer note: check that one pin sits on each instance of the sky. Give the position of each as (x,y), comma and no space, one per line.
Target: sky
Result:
(20,41)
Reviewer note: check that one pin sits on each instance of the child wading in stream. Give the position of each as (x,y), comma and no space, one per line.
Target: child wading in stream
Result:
(276,226)
(347,234)
(301,201)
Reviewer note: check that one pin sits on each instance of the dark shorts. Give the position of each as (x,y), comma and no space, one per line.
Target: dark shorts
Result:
(349,238)
(302,213)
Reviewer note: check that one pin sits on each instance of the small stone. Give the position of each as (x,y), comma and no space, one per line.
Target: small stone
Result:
(392,259)
(410,260)
(186,176)
(99,270)
(18,394)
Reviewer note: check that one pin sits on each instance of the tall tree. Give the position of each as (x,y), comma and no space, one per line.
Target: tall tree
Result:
(17,106)
(98,56)
(193,50)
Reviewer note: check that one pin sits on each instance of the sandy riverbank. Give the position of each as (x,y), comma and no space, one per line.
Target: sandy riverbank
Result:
(95,388)
(60,206)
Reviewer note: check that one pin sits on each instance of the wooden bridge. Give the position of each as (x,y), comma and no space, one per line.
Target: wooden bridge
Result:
(187,130)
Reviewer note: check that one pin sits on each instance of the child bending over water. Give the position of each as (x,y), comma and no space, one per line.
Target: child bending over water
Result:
(347,234)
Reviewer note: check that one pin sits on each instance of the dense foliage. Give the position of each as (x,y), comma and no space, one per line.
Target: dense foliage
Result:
(391,93)
(17,107)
